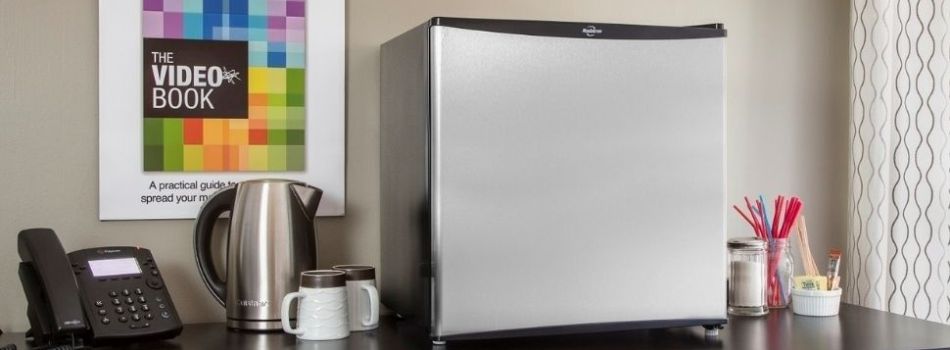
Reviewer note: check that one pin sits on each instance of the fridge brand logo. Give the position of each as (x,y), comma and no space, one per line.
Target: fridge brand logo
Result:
(591,30)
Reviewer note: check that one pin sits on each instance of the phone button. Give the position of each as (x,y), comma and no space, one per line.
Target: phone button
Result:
(126,292)
(154,283)
(136,317)
(133,326)
(113,294)
(123,319)
(165,314)
(132,308)
(119,310)
(149,316)
(116,302)
(102,312)
(138,291)
(161,306)
(142,300)
(129,300)
(154,272)
(145,307)
(105,320)
(99,303)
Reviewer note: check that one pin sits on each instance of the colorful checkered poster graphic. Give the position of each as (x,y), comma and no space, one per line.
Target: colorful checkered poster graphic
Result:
(197,95)
(223,85)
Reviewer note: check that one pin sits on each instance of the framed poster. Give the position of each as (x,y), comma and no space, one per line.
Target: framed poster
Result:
(195,95)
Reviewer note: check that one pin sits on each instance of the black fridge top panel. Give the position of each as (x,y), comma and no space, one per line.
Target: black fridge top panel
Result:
(583,30)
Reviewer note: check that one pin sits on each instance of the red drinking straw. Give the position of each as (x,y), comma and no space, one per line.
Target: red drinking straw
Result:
(778,216)
(791,214)
(756,227)
(795,214)
(744,217)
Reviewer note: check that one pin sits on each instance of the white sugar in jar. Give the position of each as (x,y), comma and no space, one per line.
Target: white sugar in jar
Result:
(747,283)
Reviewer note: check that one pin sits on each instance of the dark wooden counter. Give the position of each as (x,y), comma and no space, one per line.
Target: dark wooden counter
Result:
(854,328)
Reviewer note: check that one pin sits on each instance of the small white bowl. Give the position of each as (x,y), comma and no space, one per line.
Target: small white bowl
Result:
(816,302)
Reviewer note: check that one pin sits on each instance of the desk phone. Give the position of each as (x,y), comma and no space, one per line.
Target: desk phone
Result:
(94,296)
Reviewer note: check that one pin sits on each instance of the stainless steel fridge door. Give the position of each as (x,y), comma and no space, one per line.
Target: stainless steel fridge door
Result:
(575,181)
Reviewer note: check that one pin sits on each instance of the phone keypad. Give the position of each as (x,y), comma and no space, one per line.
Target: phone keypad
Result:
(136,310)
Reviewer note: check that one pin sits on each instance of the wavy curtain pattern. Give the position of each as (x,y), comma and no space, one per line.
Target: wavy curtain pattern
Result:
(898,253)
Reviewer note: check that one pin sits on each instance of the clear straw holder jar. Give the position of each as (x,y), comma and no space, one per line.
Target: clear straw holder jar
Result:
(747,277)
(780,273)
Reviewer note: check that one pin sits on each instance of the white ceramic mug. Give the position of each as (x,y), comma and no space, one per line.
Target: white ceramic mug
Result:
(321,310)
(362,297)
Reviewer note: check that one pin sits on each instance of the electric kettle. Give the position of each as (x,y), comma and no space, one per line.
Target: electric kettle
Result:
(271,239)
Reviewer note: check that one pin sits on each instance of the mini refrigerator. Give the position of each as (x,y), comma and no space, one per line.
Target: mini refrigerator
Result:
(551,177)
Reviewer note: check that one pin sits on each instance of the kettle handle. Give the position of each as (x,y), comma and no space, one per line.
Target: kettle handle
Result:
(220,202)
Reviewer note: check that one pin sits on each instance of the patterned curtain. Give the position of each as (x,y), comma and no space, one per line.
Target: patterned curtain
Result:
(898,254)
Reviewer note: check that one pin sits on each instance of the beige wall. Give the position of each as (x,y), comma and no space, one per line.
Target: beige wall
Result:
(787,121)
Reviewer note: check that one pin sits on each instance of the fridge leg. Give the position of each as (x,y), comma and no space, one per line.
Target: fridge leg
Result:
(712,330)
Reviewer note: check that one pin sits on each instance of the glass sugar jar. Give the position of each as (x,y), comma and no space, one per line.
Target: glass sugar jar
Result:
(747,277)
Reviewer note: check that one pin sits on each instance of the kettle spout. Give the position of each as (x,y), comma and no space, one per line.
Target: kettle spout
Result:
(310,197)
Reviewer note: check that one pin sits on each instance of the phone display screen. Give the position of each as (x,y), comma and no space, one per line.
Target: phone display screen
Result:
(114,267)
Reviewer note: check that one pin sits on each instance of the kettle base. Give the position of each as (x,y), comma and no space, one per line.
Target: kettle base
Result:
(255,325)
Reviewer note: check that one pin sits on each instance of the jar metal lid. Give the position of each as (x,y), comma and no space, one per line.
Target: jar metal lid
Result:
(746,243)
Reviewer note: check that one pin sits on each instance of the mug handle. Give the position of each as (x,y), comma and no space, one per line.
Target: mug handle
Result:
(285,313)
(373,294)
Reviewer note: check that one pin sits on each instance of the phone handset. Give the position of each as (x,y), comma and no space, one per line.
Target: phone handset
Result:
(55,311)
